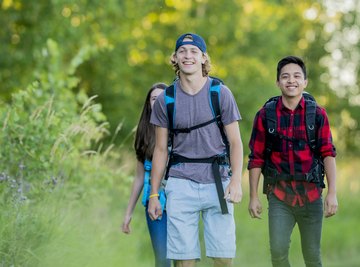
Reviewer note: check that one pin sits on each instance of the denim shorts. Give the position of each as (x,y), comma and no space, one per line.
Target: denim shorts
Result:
(186,202)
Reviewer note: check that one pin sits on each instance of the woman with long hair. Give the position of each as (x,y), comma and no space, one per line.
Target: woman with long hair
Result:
(144,148)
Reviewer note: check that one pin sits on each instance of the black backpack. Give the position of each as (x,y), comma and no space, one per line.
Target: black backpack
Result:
(271,121)
(271,176)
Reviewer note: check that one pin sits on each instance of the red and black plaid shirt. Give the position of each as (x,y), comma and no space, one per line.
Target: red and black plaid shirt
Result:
(292,158)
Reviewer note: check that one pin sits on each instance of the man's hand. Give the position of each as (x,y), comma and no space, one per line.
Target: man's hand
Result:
(154,208)
(330,205)
(233,192)
(255,208)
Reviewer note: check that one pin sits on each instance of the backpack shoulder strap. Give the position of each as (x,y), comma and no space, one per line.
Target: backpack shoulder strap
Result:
(270,114)
(271,123)
(214,99)
(310,116)
(170,95)
(147,165)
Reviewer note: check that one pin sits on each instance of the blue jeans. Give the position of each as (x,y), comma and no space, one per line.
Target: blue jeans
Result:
(282,219)
(158,235)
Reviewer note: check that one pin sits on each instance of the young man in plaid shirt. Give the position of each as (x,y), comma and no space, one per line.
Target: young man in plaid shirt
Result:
(293,197)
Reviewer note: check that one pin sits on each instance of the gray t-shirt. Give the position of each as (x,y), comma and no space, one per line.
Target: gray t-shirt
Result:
(204,142)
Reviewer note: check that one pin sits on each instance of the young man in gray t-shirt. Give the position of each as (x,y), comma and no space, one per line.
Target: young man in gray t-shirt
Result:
(191,189)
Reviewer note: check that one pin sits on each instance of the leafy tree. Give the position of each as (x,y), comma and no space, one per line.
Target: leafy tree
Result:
(245,40)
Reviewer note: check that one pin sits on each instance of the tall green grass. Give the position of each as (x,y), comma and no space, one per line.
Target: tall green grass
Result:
(64,231)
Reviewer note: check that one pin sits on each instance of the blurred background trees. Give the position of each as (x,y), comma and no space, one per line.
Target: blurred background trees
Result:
(73,78)
(131,42)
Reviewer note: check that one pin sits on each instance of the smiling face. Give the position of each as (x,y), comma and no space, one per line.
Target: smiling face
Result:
(154,94)
(189,59)
(292,81)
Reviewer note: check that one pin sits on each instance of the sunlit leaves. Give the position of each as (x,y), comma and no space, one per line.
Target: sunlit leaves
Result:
(6,4)
(119,49)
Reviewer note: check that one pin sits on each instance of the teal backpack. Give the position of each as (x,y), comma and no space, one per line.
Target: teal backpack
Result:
(223,159)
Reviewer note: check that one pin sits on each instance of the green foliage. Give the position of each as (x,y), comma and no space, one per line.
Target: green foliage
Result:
(127,50)
(50,140)
(44,124)
(63,183)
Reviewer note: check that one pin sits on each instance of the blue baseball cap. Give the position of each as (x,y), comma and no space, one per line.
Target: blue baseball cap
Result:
(197,40)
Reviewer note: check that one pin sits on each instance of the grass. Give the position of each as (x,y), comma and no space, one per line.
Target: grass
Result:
(86,232)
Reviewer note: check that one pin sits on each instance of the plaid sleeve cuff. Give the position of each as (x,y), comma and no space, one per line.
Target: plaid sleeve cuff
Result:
(255,164)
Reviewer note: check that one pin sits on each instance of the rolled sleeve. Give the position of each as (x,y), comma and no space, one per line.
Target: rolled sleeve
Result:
(257,143)
(325,140)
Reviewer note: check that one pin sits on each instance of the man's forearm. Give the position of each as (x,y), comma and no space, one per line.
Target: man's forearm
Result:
(236,149)
(254,177)
(236,159)
(330,171)
(158,168)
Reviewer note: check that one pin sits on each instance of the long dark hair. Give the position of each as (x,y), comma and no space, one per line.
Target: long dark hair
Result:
(145,132)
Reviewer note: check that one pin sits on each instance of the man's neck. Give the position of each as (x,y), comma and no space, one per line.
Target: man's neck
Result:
(291,102)
(192,84)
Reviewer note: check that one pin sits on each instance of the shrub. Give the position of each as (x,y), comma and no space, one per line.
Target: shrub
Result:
(50,140)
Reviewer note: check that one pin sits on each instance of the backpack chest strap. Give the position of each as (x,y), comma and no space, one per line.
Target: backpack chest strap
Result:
(221,160)
(188,130)
(272,176)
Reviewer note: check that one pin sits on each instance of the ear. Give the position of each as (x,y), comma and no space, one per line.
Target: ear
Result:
(204,58)
(173,58)
(277,83)
(305,83)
